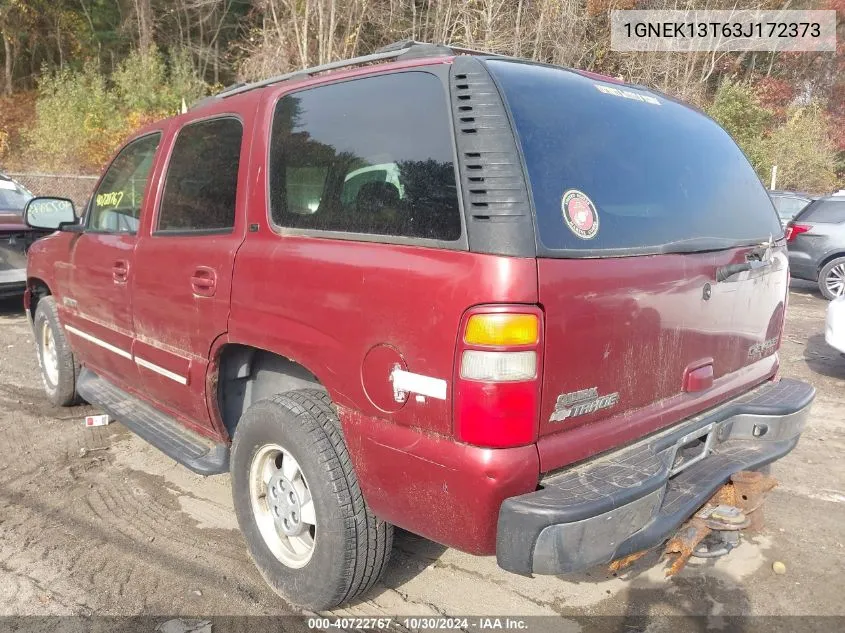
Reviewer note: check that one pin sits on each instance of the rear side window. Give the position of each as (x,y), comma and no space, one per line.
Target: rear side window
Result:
(202,178)
(827,211)
(371,156)
(656,172)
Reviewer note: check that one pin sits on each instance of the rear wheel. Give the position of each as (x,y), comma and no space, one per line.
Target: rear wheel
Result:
(299,505)
(58,366)
(832,278)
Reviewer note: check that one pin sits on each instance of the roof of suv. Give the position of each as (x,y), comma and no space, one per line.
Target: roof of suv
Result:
(401,51)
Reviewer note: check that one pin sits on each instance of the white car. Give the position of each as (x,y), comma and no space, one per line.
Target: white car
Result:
(834,331)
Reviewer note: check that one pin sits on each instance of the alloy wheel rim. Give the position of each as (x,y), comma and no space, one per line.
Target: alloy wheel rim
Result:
(282,505)
(49,354)
(835,280)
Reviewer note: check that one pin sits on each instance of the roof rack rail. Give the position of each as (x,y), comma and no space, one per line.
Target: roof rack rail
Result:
(401,48)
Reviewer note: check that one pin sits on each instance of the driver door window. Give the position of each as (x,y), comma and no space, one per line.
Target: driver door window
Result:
(116,205)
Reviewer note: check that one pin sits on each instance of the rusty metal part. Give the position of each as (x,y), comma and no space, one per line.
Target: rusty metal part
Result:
(749,488)
(684,543)
(745,492)
(621,563)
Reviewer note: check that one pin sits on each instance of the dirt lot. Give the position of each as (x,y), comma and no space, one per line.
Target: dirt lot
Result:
(94,521)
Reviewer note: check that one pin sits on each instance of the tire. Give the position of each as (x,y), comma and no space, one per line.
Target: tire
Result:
(59,368)
(832,278)
(350,547)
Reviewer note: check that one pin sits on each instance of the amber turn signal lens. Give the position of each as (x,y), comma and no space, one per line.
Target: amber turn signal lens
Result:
(502,329)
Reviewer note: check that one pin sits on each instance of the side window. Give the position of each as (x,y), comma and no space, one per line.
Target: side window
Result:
(369,155)
(116,205)
(200,188)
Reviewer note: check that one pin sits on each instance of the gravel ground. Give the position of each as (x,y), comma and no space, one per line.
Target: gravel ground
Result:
(96,522)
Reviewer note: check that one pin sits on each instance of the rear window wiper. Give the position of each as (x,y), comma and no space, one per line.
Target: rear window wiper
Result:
(757,258)
(723,273)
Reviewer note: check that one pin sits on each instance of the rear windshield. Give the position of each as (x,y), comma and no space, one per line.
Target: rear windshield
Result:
(827,210)
(648,172)
(788,206)
(13,197)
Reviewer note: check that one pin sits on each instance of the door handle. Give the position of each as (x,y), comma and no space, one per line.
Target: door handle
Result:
(204,281)
(120,271)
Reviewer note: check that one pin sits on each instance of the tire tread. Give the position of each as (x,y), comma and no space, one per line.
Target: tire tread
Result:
(367,539)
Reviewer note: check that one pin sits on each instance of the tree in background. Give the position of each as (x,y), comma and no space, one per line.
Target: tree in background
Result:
(81,118)
(796,137)
(737,109)
(803,151)
(198,43)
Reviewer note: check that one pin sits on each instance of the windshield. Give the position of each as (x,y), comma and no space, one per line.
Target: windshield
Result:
(621,170)
(13,197)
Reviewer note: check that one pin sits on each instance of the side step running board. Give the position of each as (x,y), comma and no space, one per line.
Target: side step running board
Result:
(200,454)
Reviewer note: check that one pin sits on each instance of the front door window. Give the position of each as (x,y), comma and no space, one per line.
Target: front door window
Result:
(116,206)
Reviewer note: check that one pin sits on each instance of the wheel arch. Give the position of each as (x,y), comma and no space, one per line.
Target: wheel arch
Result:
(36,289)
(829,257)
(242,374)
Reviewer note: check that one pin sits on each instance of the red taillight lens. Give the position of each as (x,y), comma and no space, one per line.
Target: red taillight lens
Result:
(793,230)
(497,376)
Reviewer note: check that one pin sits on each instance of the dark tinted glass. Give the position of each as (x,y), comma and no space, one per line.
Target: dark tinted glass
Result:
(656,171)
(13,197)
(116,205)
(202,177)
(371,155)
(827,210)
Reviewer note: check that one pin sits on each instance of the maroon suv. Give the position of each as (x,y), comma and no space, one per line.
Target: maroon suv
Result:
(513,308)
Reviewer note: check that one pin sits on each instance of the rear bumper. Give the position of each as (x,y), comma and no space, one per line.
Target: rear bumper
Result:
(635,498)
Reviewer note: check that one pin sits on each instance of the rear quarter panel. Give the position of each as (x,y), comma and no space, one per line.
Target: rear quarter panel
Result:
(326,303)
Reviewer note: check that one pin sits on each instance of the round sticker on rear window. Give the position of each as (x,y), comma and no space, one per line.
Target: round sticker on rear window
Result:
(580,214)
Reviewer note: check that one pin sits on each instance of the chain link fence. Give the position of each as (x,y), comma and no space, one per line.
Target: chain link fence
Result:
(76,188)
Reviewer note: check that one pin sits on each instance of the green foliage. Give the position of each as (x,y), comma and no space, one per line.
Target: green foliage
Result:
(74,108)
(736,108)
(80,118)
(803,151)
(799,142)
(144,83)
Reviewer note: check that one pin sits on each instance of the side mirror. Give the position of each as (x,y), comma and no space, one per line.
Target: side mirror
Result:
(49,213)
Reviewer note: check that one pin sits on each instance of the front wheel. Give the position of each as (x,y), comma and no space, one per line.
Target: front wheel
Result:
(59,368)
(299,504)
(832,279)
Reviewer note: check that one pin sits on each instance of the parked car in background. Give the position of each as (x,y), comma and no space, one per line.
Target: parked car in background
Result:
(439,293)
(834,331)
(816,242)
(15,237)
(788,204)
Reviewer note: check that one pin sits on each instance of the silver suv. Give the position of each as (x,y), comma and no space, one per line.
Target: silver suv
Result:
(816,241)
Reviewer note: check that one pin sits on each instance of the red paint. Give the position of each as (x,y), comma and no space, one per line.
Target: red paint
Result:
(628,325)
(10,221)
(633,325)
(443,490)
(699,378)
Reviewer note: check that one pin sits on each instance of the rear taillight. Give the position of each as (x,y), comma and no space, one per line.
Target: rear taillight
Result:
(497,377)
(793,230)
